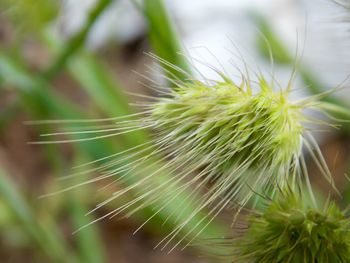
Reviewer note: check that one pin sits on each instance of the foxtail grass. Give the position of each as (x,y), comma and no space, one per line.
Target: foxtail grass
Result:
(294,230)
(219,142)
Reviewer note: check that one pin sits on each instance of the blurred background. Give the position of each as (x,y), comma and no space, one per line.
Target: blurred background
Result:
(76,59)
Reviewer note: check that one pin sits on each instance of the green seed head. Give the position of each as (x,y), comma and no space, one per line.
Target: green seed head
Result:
(215,144)
(245,137)
(292,231)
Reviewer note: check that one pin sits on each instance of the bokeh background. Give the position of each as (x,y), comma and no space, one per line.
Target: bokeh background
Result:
(76,59)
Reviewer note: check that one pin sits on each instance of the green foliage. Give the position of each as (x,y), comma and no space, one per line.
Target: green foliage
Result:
(292,230)
(30,15)
(223,137)
(42,102)
(45,234)
(268,42)
(164,40)
(77,41)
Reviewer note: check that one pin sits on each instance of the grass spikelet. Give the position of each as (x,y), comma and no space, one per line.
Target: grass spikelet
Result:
(294,230)
(246,138)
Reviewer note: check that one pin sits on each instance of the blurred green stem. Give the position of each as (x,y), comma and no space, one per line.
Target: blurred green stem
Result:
(282,56)
(46,236)
(76,41)
(164,40)
(88,240)
(102,87)
(44,103)
(47,100)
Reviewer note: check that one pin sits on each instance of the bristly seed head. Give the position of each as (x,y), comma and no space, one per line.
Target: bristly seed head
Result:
(232,123)
(245,140)
(215,144)
(292,231)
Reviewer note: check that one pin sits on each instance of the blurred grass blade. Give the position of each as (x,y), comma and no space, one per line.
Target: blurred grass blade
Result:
(282,56)
(46,236)
(42,101)
(98,149)
(89,241)
(279,51)
(28,16)
(103,88)
(163,37)
(77,41)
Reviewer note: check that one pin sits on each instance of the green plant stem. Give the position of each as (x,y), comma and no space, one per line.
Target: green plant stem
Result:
(101,86)
(76,41)
(45,235)
(163,38)
(88,240)
(43,103)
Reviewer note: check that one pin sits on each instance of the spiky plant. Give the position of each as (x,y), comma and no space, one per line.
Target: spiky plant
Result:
(220,142)
(243,139)
(292,230)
